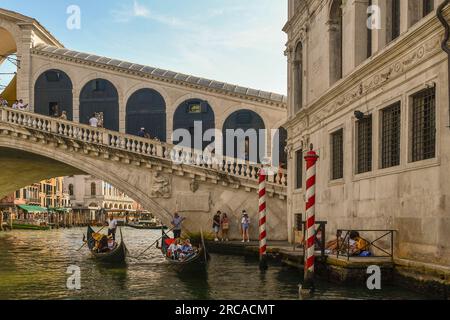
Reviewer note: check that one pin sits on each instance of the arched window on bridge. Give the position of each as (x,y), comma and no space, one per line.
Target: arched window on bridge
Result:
(71,191)
(187,114)
(146,108)
(244,129)
(93,189)
(53,94)
(100,96)
(279,147)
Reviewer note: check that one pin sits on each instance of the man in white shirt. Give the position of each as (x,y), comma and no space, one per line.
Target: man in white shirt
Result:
(93,121)
(21,105)
(15,105)
(112,226)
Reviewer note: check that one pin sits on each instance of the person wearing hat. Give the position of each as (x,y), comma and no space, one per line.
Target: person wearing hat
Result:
(245,224)
(141,132)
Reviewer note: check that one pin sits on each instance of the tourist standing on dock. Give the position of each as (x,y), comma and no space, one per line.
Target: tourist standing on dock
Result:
(245,224)
(216,225)
(112,226)
(176,223)
(225,225)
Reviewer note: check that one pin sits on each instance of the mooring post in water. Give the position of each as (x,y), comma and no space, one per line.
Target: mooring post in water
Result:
(262,220)
(307,289)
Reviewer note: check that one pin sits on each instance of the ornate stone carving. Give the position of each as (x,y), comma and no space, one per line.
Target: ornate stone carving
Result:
(194,185)
(161,187)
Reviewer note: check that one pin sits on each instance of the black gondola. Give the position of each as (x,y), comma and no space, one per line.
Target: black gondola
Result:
(197,262)
(117,255)
(144,226)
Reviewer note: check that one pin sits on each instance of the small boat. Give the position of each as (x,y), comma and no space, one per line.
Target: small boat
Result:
(146,226)
(116,255)
(24,226)
(197,262)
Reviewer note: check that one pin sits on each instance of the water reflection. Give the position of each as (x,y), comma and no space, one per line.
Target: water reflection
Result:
(33,265)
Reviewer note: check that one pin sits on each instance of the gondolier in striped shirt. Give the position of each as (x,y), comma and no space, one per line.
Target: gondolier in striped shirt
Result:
(112,226)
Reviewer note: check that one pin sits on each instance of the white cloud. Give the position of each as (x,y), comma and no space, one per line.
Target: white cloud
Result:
(126,13)
(140,10)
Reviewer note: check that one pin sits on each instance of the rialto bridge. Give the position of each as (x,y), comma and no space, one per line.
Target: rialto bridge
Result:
(51,78)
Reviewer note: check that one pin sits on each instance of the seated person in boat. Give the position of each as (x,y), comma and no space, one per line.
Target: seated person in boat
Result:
(174,249)
(101,242)
(186,250)
(111,244)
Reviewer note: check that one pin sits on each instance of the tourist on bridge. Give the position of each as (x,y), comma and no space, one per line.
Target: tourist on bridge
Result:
(112,226)
(3,102)
(216,225)
(176,223)
(93,121)
(225,226)
(15,105)
(245,224)
(141,133)
(22,106)
(63,115)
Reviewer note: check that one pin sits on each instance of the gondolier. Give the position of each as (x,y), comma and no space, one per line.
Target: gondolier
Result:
(176,223)
(112,226)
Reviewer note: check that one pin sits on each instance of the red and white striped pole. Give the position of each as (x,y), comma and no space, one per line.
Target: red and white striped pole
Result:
(311,159)
(262,220)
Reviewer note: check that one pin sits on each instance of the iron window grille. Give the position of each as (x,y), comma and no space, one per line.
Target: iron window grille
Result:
(337,155)
(364,144)
(390,136)
(424,125)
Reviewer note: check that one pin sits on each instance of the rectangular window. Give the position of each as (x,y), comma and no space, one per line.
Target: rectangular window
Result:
(395,19)
(337,155)
(428,7)
(424,125)
(369,34)
(364,144)
(299,169)
(390,136)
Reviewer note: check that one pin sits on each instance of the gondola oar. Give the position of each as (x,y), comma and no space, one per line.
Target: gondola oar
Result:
(153,243)
(203,244)
(88,240)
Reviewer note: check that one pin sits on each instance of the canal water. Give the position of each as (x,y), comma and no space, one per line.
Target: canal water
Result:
(33,265)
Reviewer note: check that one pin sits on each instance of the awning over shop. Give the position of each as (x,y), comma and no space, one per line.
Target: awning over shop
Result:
(32,209)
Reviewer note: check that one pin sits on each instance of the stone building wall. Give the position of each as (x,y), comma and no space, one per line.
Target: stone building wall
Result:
(411,197)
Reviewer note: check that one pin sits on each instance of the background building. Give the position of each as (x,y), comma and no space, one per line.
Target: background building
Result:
(374,103)
(47,193)
(87,193)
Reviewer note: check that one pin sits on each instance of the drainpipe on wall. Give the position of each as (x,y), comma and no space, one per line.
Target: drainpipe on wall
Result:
(444,43)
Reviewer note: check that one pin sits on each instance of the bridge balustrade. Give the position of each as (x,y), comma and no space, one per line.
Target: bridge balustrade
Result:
(143,146)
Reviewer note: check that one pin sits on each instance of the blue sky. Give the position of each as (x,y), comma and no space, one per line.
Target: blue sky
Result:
(237,41)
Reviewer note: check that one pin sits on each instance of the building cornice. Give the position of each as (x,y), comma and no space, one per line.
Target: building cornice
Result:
(420,43)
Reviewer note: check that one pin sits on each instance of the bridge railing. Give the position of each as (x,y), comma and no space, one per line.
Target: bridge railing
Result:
(143,146)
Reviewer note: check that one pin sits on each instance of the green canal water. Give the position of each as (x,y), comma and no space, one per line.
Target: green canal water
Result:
(33,265)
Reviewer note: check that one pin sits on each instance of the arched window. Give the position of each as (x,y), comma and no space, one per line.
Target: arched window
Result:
(53,94)
(244,136)
(100,96)
(71,192)
(298,78)
(146,108)
(189,114)
(335,29)
(93,189)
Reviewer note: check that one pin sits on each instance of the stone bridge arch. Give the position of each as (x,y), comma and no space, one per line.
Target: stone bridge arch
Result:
(141,168)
